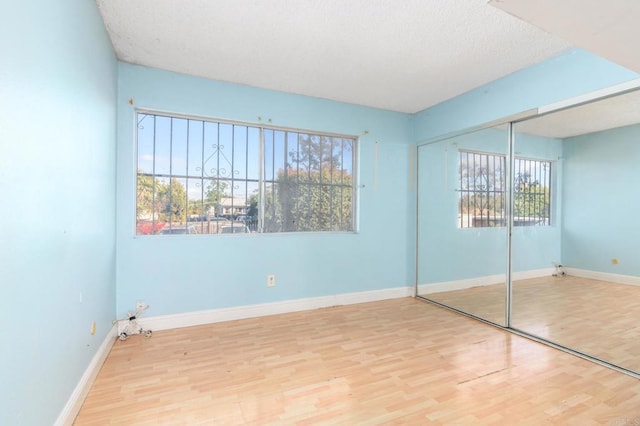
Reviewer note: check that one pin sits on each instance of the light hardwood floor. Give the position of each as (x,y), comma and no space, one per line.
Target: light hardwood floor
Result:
(400,361)
(595,317)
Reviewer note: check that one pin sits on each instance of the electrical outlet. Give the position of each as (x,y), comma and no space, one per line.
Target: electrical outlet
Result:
(93,328)
(271,280)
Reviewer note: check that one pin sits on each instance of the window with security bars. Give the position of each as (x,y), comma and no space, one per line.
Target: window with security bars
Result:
(481,191)
(197,176)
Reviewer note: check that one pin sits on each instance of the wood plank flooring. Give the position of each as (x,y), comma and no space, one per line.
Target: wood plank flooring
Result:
(598,318)
(400,361)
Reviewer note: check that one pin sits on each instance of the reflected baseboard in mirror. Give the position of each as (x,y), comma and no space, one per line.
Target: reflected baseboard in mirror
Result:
(461,237)
(595,317)
(562,193)
(486,301)
(482,297)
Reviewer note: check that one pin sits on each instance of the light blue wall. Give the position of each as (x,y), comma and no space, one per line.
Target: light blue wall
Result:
(183,274)
(57,185)
(538,247)
(447,252)
(600,201)
(572,73)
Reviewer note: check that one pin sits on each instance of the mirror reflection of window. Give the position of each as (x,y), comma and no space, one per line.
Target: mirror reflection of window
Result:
(575,257)
(588,299)
(462,235)
(481,191)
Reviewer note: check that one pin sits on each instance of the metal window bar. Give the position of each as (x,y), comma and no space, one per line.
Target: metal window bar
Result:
(186,192)
(342,182)
(481,189)
(469,174)
(202,211)
(547,179)
(261,185)
(305,187)
(246,181)
(539,199)
(532,192)
(329,188)
(493,206)
(466,155)
(218,147)
(153,180)
(273,176)
(286,211)
(331,194)
(483,178)
(170,173)
(232,173)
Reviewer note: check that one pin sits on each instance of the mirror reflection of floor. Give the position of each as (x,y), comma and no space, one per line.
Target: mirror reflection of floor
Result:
(486,302)
(598,318)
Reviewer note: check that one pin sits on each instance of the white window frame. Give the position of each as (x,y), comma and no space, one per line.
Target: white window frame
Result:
(348,189)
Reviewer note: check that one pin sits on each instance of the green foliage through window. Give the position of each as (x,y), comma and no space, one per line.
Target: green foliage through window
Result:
(208,177)
(481,191)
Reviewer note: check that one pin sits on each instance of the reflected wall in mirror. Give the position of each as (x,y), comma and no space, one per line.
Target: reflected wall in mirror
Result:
(462,237)
(592,303)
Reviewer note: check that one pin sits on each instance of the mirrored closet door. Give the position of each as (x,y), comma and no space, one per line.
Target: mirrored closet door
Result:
(587,220)
(462,236)
(568,191)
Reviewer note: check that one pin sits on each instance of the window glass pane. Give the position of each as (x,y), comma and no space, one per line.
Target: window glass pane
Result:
(161,202)
(209,168)
(178,146)
(253,153)
(347,157)
(269,155)
(145,143)
(162,145)
(144,199)
(279,155)
(346,209)
(214,190)
(195,203)
(252,217)
(312,154)
(291,154)
(198,176)
(481,189)
(195,147)
(272,213)
(240,152)
(224,155)
(481,194)
(531,192)
(326,159)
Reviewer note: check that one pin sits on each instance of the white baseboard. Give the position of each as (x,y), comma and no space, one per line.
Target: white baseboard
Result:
(603,276)
(75,401)
(533,273)
(189,319)
(482,281)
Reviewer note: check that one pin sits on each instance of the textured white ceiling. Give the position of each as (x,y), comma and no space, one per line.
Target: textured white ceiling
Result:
(608,28)
(396,55)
